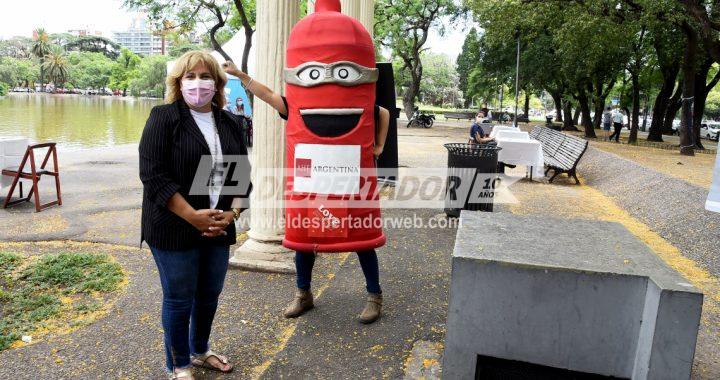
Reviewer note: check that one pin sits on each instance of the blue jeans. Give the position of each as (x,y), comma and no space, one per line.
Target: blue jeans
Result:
(192,281)
(304,262)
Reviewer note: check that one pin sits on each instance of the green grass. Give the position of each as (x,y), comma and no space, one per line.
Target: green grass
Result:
(76,273)
(31,289)
(8,262)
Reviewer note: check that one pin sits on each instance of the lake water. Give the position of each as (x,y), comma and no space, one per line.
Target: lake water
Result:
(74,121)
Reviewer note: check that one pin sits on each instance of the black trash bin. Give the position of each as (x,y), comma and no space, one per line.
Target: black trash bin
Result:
(466,190)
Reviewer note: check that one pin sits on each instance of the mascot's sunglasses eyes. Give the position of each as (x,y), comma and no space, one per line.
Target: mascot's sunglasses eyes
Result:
(343,73)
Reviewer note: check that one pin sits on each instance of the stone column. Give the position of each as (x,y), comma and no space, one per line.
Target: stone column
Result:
(263,250)
(362,10)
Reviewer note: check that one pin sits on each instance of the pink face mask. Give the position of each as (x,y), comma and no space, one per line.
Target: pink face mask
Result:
(198,93)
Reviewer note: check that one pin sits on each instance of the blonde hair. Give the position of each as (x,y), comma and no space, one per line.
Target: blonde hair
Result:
(187,62)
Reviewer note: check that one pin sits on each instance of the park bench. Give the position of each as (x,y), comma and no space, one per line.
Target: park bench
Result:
(562,152)
(459,115)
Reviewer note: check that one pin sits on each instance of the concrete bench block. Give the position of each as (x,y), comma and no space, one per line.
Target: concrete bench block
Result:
(13,146)
(11,161)
(580,295)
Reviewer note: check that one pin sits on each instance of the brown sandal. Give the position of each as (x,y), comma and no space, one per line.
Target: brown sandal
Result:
(202,362)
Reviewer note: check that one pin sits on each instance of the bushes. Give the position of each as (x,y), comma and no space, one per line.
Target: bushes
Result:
(3,89)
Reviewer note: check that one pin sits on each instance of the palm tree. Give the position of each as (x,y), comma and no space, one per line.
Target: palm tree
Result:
(56,65)
(40,48)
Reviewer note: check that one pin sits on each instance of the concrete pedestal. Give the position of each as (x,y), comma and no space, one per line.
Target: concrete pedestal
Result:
(579,295)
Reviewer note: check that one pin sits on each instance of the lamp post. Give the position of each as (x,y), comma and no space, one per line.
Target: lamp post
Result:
(517,81)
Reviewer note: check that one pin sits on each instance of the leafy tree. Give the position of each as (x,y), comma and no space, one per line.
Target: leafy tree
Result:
(61,39)
(27,71)
(16,47)
(179,49)
(40,48)
(151,78)
(466,62)
(712,107)
(56,66)
(94,44)
(8,71)
(183,16)
(403,26)
(3,89)
(124,70)
(90,70)
(440,86)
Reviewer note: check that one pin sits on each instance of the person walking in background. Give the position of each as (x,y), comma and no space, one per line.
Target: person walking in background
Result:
(618,118)
(607,122)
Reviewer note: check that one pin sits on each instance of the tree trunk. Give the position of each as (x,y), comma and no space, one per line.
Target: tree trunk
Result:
(699,104)
(687,143)
(216,44)
(586,120)
(249,31)
(409,98)
(213,31)
(415,67)
(568,124)
(673,108)
(576,116)
(634,120)
(526,109)
(42,75)
(662,101)
(599,108)
(600,97)
(557,99)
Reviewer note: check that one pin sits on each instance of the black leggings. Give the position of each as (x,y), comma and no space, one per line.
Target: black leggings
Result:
(304,262)
(616,134)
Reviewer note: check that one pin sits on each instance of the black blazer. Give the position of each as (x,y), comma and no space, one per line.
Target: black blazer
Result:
(170,151)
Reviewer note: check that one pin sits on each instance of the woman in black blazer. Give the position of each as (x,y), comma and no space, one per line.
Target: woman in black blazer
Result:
(191,151)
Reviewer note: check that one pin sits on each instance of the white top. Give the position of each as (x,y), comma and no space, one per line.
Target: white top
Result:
(618,117)
(206,123)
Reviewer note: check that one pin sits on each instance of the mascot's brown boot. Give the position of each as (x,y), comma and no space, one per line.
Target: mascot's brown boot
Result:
(372,310)
(302,302)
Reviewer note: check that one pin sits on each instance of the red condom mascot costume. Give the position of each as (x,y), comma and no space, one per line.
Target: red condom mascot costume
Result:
(332,202)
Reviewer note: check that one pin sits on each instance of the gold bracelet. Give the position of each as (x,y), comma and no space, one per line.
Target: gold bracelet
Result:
(236,213)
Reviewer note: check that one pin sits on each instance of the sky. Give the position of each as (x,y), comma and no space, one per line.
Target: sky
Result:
(20,17)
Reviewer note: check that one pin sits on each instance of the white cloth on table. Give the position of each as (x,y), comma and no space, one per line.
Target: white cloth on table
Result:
(517,135)
(520,151)
(498,128)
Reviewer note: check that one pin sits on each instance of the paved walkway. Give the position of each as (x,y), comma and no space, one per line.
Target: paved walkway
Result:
(101,205)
